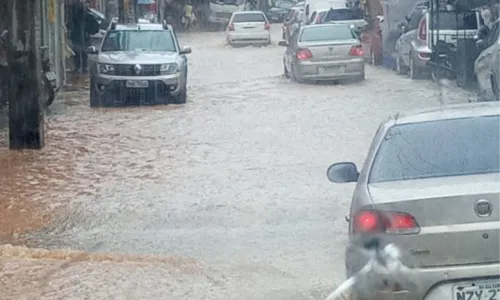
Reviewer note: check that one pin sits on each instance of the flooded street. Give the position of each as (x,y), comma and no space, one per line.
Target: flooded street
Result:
(225,197)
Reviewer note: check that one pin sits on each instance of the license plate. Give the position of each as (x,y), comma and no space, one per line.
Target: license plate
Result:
(50,75)
(137,83)
(482,290)
(337,69)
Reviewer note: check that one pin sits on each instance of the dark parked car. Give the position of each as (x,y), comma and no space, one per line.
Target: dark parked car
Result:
(280,9)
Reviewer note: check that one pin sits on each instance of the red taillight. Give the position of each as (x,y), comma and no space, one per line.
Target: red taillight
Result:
(422,29)
(303,54)
(318,20)
(267,26)
(373,221)
(230,27)
(356,51)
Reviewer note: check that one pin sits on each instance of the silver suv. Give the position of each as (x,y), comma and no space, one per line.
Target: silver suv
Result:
(138,64)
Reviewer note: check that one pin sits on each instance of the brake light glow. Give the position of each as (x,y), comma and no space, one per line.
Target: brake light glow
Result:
(303,54)
(267,26)
(422,29)
(373,221)
(356,51)
(230,27)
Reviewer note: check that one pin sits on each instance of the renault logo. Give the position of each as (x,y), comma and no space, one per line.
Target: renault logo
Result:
(483,208)
(137,69)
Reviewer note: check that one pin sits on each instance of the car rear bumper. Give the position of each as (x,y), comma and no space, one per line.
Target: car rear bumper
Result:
(114,88)
(438,283)
(248,37)
(331,70)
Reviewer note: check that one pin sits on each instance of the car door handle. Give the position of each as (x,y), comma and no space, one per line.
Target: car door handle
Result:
(488,53)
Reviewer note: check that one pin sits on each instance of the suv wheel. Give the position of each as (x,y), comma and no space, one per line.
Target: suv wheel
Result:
(495,88)
(181,97)
(95,100)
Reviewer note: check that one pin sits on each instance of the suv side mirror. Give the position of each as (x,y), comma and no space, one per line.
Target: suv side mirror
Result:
(185,50)
(91,50)
(343,172)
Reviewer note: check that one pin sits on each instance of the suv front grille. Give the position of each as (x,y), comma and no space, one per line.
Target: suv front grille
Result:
(129,70)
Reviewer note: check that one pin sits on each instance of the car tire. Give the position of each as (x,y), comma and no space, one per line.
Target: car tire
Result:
(373,60)
(95,99)
(181,98)
(495,88)
(400,69)
(413,73)
(360,78)
(285,71)
(294,75)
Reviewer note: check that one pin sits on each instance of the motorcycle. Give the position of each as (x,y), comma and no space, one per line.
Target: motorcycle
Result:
(48,79)
(48,83)
(445,62)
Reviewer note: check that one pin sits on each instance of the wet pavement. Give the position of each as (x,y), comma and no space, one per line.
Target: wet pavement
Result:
(225,197)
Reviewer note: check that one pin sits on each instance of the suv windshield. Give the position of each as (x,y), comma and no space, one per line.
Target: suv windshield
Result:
(344,14)
(142,40)
(326,33)
(249,17)
(442,148)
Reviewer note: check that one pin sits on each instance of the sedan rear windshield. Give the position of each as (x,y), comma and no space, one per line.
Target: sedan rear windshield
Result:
(139,40)
(443,148)
(344,14)
(326,33)
(242,18)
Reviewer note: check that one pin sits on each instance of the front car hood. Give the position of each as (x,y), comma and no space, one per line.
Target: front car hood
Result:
(137,57)
(395,191)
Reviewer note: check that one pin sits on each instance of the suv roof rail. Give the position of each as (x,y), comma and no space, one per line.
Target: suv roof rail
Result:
(165,24)
(112,24)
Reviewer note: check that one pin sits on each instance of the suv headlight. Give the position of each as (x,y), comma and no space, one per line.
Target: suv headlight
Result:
(168,68)
(106,69)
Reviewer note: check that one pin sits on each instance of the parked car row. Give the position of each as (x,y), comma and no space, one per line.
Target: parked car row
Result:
(442,49)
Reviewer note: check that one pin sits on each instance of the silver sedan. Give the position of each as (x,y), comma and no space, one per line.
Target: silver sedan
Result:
(324,52)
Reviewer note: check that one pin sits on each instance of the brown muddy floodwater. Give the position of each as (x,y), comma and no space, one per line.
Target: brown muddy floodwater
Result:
(222,198)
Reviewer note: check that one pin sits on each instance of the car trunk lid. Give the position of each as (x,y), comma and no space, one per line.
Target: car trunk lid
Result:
(329,50)
(249,26)
(455,227)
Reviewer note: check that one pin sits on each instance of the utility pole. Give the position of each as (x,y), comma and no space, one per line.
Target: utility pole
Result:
(26,122)
(121,10)
(111,9)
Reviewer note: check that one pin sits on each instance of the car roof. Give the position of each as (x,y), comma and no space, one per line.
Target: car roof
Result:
(325,25)
(448,112)
(248,12)
(141,26)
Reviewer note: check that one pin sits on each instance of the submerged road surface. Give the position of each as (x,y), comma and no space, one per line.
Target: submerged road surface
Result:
(228,192)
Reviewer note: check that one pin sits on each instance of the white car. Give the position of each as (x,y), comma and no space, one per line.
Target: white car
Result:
(248,27)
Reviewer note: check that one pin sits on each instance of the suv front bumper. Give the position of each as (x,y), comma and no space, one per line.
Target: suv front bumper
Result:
(114,88)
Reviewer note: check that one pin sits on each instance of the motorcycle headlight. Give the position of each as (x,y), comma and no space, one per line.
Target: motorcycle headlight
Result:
(106,69)
(168,68)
